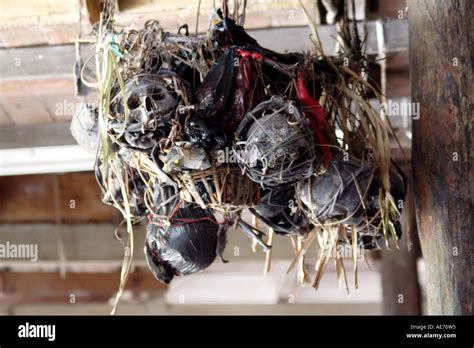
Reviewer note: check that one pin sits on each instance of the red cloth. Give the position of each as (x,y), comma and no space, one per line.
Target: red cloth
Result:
(314,112)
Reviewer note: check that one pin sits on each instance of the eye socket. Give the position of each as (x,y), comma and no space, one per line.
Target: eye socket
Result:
(158,93)
(133,102)
(159,96)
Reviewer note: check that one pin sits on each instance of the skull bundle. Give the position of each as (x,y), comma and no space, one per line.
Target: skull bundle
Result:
(275,145)
(171,104)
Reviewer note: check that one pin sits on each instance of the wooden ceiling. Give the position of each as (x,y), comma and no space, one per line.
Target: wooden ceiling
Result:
(37,55)
(37,84)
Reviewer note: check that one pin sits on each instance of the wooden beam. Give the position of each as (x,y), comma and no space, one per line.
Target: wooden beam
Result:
(38,135)
(5,118)
(45,22)
(40,287)
(20,109)
(59,60)
(30,198)
(35,86)
(44,74)
(36,61)
(42,22)
(78,242)
(90,247)
(441,45)
(172,15)
(71,266)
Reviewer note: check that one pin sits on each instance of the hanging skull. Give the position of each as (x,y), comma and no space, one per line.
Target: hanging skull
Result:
(338,193)
(151,104)
(368,220)
(349,193)
(274,144)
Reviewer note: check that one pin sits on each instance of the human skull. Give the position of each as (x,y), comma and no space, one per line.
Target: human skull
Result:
(150,103)
(274,144)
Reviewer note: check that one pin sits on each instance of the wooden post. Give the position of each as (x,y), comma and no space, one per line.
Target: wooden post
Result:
(441,40)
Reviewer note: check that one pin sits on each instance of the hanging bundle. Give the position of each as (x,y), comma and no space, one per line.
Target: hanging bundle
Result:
(348,194)
(274,144)
(84,127)
(192,128)
(188,245)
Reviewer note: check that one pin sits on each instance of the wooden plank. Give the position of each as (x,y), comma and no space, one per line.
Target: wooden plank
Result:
(62,33)
(396,34)
(360,7)
(70,266)
(14,9)
(52,24)
(40,33)
(93,247)
(258,13)
(81,242)
(24,23)
(62,106)
(79,199)
(35,195)
(38,101)
(5,119)
(441,41)
(46,85)
(46,72)
(297,39)
(57,60)
(27,35)
(36,287)
(37,61)
(257,17)
(26,110)
(37,135)
(56,27)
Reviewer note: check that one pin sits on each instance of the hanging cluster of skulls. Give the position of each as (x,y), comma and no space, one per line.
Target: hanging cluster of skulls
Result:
(181,109)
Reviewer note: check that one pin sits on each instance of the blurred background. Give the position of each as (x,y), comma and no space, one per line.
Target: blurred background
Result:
(49,197)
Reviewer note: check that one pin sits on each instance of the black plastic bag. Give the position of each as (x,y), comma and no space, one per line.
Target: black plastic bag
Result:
(188,245)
